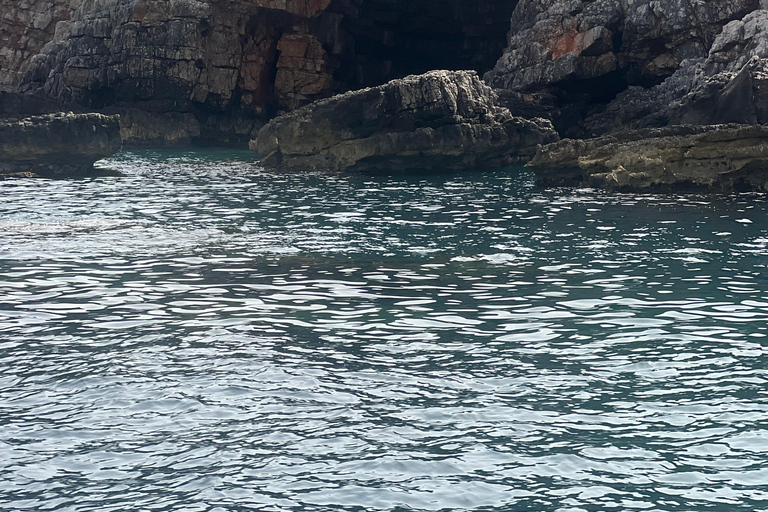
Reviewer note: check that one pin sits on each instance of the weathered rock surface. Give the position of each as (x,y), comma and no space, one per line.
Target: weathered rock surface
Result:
(559,43)
(25,27)
(15,105)
(716,157)
(440,120)
(730,85)
(217,69)
(57,144)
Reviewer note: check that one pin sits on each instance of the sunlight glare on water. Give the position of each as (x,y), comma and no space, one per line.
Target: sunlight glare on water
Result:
(200,334)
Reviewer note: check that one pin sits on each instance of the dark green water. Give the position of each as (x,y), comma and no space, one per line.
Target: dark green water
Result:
(204,335)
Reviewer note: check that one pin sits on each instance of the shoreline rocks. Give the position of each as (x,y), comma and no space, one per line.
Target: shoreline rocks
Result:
(57,145)
(439,120)
(217,70)
(715,158)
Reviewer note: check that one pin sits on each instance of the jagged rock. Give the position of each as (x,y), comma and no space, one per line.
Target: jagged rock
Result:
(730,85)
(561,43)
(57,144)
(248,60)
(440,120)
(715,157)
(25,27)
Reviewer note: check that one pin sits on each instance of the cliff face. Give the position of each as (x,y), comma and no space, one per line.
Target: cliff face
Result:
(729,85)
(581,54)
(200,68)
(641,42)
(217,69)
(26,27)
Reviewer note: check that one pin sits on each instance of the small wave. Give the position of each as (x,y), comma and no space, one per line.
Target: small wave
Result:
(20,227)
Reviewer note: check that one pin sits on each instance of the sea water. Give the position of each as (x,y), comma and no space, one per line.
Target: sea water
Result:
(201,334)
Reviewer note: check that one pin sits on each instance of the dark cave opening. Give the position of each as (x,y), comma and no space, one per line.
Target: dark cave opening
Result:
(389,39)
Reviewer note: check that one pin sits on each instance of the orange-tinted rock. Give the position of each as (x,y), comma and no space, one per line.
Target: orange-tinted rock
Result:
(301,70)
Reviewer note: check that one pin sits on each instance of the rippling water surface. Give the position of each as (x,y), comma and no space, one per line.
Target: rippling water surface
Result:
(203,335)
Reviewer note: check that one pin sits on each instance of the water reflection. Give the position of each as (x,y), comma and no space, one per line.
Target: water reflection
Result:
(201,334)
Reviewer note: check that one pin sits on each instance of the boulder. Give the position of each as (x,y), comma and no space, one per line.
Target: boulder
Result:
(440,120)
(716,157)
(57,144)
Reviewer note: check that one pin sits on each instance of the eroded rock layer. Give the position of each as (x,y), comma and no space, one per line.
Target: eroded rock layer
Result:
(561,42)
(574,57)
(217,69)
(25,27)
(714,157)
(57,144)
(729,85)
(441,120)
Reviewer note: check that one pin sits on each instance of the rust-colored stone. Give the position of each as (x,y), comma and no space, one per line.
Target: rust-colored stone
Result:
(569,42)
(301,70)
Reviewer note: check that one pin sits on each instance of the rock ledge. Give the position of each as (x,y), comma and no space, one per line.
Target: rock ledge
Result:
(61,144)
(441,120)
(715,157)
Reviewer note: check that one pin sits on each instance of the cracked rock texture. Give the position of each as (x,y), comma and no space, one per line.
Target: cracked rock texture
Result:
(441,120)
(558,42)
(191,65)
(729,85)
(25,27)
(57,144)
(215,70)
(715,157)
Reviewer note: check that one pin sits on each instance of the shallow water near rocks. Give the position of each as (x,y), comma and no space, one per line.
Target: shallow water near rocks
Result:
(204,335)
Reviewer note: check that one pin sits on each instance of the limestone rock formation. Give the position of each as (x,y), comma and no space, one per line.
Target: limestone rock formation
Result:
(440,120)
(730,85)
(715,157)
(25,27)
(217,69)
(559,43)
(57,144)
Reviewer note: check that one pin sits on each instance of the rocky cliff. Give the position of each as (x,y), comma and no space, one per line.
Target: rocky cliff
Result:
(25,27)
(217,69)
(729,85)
(580,54)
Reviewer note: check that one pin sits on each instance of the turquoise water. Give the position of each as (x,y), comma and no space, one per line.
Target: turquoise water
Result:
(203,335)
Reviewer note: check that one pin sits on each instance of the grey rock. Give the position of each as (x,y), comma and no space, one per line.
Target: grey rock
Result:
(554,43)
(142,128)
(729,85)
(221,60)
(441,120)
(57,144)
(13,104)
(25,27)
(716,157)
